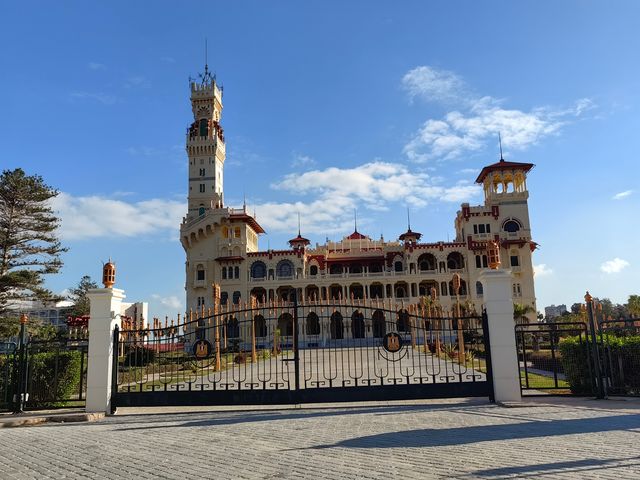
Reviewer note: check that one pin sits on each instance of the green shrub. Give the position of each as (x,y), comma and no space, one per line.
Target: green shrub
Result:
(619,356)
(139,356)
(576,365)
(53,377)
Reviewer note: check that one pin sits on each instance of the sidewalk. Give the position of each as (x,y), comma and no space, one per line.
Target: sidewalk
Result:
(31,418)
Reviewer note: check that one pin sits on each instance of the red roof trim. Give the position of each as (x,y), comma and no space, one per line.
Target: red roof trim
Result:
(356,235)
(248,219)
(503,165)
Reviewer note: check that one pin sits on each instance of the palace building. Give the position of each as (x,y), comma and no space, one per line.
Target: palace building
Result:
(222,247)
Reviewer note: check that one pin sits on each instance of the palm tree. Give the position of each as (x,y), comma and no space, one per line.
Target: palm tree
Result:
(520,311)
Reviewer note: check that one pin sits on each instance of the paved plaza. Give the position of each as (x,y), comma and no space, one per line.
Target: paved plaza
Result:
(560,438)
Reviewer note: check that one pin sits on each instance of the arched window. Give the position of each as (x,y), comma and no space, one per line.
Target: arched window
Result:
(224,296)
(201,210)
(511,226)
(224,273)
(479,289)
(403,323)
(463,288)
(200,273)
(236,297)
(258,270)
(260,326)
(336,326)
(313,324)
(233,328)
(397,266)
(284,268)
(427,261)
(285,324)
(357,325)
(313,270)
(236,272)
(379,324)
(455,261)
(443,289)
(203,127)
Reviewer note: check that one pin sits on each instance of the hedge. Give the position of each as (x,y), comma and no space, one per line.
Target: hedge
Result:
(53,377)
(621,354)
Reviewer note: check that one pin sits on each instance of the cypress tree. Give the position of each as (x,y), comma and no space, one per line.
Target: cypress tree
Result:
(29,244)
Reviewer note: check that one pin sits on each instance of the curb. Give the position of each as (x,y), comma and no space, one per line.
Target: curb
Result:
(71,418)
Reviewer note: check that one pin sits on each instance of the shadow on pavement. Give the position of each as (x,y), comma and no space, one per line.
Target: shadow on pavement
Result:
(238,417)
(429,437)
(558,467)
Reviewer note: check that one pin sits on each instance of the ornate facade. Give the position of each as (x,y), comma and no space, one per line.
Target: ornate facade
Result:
(221,243)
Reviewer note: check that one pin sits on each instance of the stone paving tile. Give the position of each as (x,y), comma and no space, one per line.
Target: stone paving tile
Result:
(437,439)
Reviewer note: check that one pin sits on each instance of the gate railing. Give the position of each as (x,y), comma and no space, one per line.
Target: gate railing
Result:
(571,358)
(300,348)
(42,373)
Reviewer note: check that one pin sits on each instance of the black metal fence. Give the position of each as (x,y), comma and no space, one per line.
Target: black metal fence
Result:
(290,353)
(571,358)
(43,374)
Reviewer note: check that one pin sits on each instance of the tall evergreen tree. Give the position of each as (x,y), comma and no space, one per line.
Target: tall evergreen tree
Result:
(78,295)
(29,245)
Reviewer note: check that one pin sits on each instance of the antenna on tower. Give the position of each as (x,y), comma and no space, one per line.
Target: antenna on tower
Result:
(408,219)
(355,220)
(206,56)
(298,223)
(500,142)
(244,201)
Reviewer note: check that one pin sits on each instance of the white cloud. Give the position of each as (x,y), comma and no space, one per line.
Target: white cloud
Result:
(137,81)
(104,98)
(172,301)
(621,195)
(96,216)
(542,270)
(96,66)
(337,191)
(478,120)
(614,266)
(432,84)
(302,161)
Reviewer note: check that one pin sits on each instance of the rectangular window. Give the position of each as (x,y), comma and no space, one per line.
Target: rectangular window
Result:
(488,228)
(475,229)
(200,275)
(481,228)
(202,172)
(515,261)
(478,264)
(202,188)
(485,261)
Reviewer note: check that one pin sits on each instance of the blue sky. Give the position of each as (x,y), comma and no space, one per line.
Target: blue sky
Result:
(329,106)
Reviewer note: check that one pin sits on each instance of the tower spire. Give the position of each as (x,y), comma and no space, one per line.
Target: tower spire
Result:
(206,56)
(299,223)
(500,142)
(408,220)
(355,220)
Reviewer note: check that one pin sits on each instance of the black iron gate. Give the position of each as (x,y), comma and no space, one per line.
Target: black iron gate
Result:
(572,358)
(43,374)
(280,353)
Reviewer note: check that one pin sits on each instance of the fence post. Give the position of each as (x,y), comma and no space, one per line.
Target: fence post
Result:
(504,358)
(106,304)
(20,396)
(601,390)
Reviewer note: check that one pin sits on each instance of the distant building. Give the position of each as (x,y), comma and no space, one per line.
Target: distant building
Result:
(554,311)
(52,313)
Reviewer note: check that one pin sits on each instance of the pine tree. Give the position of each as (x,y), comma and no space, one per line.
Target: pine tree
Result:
(29,245)
(78,295)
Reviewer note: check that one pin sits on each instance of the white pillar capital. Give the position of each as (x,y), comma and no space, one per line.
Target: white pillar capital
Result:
(497,286)
(106,307)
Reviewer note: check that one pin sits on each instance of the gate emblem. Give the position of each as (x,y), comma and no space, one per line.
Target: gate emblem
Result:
(201,349)
(392,342)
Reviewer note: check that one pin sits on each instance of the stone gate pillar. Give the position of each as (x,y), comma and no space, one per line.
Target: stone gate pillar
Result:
(498,302)
(106,306)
